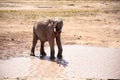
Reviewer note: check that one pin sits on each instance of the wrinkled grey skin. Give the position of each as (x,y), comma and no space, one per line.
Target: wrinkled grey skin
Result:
(48,30)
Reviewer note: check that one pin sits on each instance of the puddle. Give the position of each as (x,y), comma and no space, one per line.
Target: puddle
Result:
(29,66)
(79,61)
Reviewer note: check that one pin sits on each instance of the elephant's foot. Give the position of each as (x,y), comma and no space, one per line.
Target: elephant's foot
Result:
(52,57)
(42,55)
(59,56)
(32,54)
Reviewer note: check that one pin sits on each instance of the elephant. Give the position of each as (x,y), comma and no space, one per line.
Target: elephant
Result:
(48,30)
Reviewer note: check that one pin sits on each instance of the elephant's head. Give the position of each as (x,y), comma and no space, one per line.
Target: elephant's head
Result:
(58,24)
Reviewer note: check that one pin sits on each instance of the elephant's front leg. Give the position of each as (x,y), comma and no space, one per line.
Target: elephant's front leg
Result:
(42,52)
(52,51)
(58,41)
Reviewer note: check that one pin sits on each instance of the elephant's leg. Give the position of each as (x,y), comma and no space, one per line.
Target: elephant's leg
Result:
(52,51)
(42,52)
(35,38)
(58,41)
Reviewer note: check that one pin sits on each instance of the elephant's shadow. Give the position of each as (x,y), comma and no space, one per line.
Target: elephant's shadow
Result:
(61,62)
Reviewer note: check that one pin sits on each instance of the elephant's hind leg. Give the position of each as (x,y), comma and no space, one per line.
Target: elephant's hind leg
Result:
(42,52)
(35,38)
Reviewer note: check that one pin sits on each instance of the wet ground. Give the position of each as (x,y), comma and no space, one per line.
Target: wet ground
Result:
(79,62)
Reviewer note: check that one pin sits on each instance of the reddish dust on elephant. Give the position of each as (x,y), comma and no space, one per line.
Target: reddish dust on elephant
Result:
(47,31)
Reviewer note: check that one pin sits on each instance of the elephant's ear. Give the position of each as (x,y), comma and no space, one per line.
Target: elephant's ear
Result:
(50,24)
(57,24)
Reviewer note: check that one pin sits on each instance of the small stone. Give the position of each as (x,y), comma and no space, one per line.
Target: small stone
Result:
(80,36)
(117,41)
(74,35)
(12,39)
(71,4)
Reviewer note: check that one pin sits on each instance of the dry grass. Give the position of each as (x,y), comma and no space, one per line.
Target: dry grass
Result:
(54,2)
(33,14)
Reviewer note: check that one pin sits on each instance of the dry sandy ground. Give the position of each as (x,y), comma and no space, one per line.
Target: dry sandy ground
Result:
(94,23)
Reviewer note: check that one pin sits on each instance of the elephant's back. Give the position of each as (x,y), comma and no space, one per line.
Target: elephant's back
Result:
(41,30)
